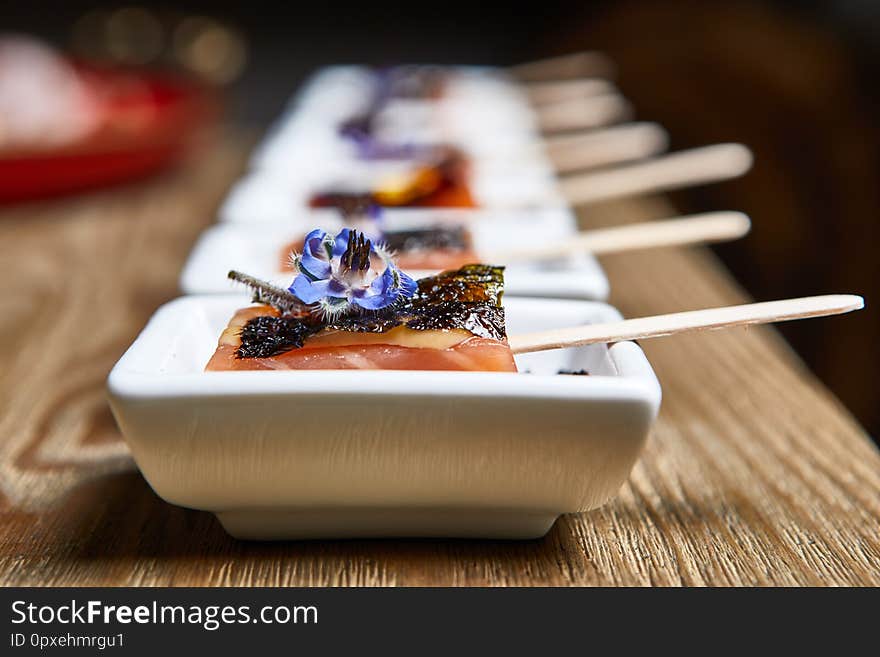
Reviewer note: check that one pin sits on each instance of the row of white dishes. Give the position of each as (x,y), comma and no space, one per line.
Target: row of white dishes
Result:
(322,454)
(487,117)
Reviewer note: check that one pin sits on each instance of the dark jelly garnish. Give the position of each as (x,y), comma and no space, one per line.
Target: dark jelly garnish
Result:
(269,335)
(347,203)
(454,238)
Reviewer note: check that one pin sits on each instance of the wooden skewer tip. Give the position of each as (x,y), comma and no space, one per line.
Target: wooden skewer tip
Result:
(707,319)
(740,223)
(738,156)
(653,134)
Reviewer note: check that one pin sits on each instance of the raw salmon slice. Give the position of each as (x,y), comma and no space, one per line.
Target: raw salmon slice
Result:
(441,185)
(398,349)
(448,195)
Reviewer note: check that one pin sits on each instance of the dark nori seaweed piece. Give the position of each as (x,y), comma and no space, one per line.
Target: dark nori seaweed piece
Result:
(470,284)
(481,319)
(347,203)
(454,238)
(468,298)
(574,372)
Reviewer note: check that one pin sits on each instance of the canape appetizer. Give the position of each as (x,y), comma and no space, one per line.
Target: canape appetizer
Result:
(351,307)
(434,177)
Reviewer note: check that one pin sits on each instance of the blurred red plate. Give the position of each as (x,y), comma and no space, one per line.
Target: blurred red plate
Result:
(147,124)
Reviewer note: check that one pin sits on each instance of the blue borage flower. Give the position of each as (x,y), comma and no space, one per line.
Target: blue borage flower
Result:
(348,273)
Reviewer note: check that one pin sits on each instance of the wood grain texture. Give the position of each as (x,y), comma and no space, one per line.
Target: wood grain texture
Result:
(754,474)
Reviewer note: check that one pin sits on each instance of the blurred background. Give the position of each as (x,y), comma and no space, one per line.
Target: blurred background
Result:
(796,81)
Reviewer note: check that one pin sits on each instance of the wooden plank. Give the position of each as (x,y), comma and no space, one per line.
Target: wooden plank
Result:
(754,475)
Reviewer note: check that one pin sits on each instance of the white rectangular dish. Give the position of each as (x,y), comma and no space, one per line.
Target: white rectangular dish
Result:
(324,454)
(272,196)
(302,142)
(479,112)
(257,250)
(469,95)
(304,154)
(400,123)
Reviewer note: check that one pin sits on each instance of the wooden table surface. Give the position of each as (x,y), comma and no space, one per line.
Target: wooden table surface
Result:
(754,473)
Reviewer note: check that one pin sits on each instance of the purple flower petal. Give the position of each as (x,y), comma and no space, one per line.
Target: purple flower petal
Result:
(374,302)
(314,269)
(408,285)
(313,244)
(385,290)
(340,243)
(314,262)
(310,291)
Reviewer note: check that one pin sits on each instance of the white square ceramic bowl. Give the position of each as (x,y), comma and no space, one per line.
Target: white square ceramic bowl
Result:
(257,250)
(320,454)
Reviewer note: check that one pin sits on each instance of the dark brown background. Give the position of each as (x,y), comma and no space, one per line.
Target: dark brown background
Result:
(793,80)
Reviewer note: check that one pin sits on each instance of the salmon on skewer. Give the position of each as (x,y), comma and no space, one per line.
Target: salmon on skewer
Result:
(440,181)
(398,349)
(453,321)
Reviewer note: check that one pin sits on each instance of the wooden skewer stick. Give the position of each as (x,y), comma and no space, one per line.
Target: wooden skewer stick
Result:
(581,113)
(574,65)
(683,169)
(695,320)
(590,149)
(695,229)
(541,93)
